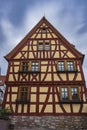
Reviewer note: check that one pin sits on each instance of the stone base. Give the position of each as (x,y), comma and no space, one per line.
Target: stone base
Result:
(50,122)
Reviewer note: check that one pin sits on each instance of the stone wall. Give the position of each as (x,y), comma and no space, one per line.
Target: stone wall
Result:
(50,122)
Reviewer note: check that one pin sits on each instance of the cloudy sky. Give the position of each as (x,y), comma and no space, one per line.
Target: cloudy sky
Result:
(18,17)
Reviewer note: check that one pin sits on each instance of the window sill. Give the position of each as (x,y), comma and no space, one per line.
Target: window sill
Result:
(22,102)
(27,72)
(71,102)
(21,71)
(34,72)
(44,50)
(66,71)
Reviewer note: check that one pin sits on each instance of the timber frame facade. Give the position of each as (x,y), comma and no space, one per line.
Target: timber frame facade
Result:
(45,75)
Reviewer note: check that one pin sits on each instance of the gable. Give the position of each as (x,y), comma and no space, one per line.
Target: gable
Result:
(44,32)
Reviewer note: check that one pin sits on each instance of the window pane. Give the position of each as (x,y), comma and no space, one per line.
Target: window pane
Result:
(35,66)
(74,92)
(70,65)
(47,46)
(37,63)
(23,96)
(44,30)
(33,63)
(40,46)
(25,66)
(64,93)
(61,66)
(23,93)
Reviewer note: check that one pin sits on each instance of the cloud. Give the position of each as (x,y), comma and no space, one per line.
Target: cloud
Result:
(49,10)
(11,37)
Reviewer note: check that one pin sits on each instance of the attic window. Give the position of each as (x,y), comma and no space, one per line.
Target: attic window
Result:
(40,46)
(44,46)
(47,46)
(43,29)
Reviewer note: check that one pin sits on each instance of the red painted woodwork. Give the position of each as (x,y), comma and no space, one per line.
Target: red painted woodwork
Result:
(35,79)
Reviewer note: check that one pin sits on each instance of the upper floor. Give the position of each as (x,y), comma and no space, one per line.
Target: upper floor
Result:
(44,55)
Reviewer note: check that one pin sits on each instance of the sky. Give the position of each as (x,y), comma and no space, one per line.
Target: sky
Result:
(18,17)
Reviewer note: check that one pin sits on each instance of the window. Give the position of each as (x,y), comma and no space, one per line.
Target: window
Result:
(44,29)
(29,67)
(70,94)
(40,46)
(35,66)
(44,46)
(61,66)
(23,93)
(70,65)
(74,93)
(24,66)
(47,46)
(66,66)
(64,94)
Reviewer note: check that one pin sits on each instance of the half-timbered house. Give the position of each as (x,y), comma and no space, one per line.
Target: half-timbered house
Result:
(45,75)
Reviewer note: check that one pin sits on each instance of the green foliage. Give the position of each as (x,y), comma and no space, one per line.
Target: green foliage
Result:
(4,113)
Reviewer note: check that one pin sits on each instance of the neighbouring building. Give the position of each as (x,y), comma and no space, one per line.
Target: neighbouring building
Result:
(2,88)
(45,82)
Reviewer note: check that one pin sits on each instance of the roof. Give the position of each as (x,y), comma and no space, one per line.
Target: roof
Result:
(2,80)
(44,20)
